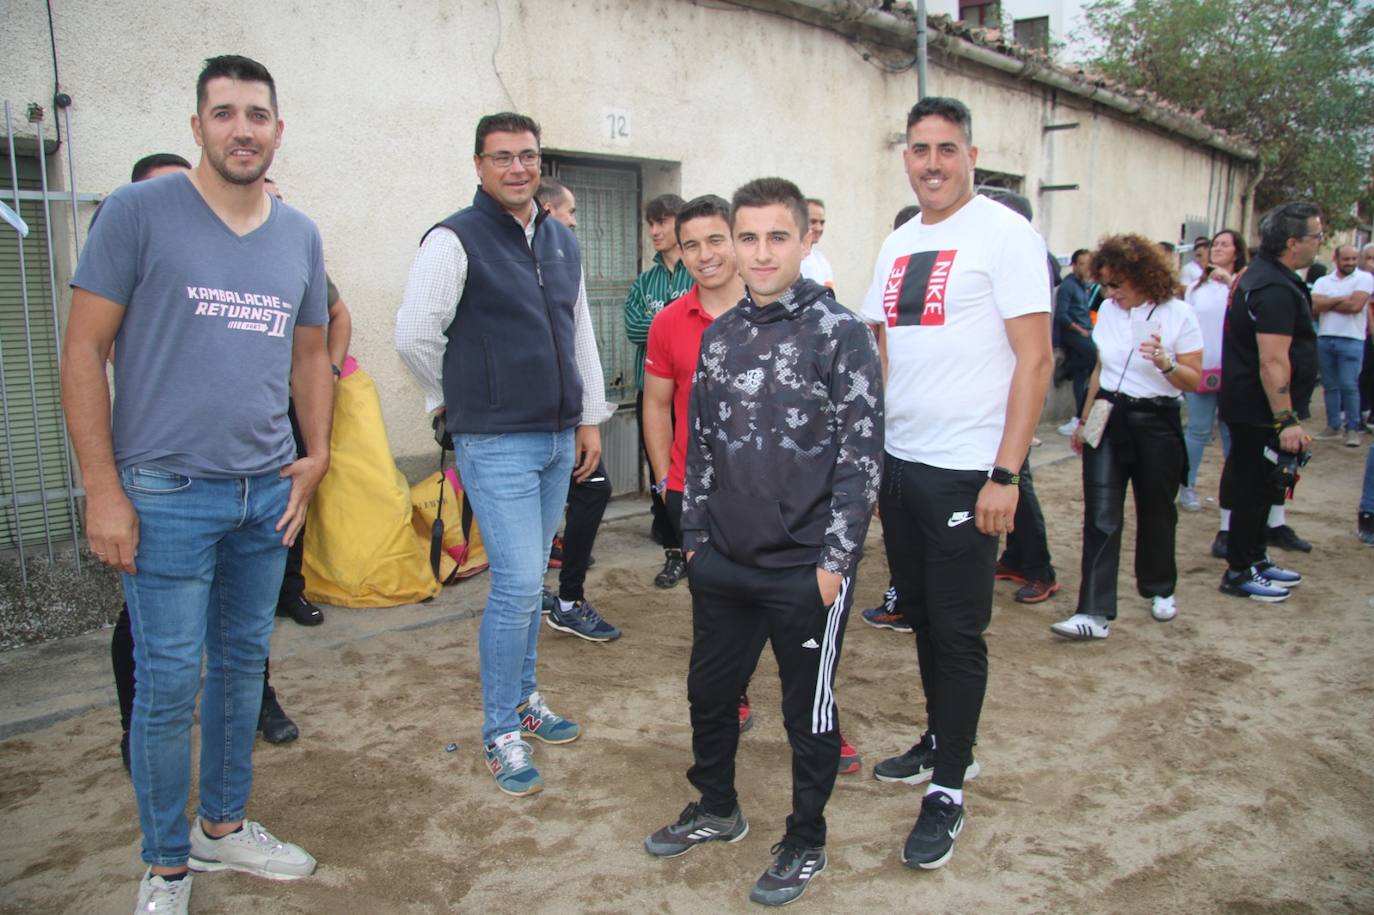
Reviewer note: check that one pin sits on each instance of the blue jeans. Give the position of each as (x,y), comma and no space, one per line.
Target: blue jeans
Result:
(209,566)
(518,483)
(1202,412)
(1339,359)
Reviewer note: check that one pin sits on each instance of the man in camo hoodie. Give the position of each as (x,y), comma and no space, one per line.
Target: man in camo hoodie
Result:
(784,455)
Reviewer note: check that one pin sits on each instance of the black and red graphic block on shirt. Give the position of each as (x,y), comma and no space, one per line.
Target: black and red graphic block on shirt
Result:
(915,289)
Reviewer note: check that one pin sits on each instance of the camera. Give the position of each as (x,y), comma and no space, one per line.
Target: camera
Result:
(1285,473)
(441,433)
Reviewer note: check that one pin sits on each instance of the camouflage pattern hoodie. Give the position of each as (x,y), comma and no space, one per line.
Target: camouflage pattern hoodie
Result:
(785,434)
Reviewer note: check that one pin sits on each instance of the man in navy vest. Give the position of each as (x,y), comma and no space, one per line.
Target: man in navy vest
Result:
(495,326)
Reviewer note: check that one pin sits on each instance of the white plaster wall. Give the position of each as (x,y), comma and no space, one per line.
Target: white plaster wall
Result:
(380,101)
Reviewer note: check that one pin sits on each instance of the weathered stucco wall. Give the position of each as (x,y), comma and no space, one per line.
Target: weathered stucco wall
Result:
(380,101)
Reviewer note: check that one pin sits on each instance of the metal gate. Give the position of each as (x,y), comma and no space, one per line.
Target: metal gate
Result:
(37,489)
(608,229)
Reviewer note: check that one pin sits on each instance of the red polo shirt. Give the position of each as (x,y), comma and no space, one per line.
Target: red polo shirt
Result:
(674,342)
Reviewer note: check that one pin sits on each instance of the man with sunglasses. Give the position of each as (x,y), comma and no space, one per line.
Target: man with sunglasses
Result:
(496,328)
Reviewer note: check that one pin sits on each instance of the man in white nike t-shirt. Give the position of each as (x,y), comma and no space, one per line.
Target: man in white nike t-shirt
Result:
(961,302)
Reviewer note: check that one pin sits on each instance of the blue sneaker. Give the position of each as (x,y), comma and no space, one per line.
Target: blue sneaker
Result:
(583,621)
(537,720)
(1253,585)
(1279,577)
(509,761)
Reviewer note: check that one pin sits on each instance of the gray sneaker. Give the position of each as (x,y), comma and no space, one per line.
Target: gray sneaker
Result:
(790,873)
(1352,438)
(252,850)
(1329,434)
(1188,500)
(158,895)
(694,827)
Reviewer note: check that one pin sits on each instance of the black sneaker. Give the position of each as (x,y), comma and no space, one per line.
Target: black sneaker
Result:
(674,568)
(694,827)
(931,843)
(1285,538)
(1219,545)
(302,611)
(790,873)
(272,721)
(915,766)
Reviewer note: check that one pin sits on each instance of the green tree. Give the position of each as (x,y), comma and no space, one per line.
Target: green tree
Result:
(1294,77)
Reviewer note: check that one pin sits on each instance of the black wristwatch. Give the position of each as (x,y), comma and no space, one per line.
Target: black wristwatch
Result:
(1004,476)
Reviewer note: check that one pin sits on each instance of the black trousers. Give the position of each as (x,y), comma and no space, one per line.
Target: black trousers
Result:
(672,500)
(1028,548)
(1248,490)
(663,529)
(586,505)
(735,610)
(1143,448)
(942,567)
(293,581)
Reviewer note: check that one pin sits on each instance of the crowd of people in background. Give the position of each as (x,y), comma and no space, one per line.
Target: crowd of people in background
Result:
(773,420)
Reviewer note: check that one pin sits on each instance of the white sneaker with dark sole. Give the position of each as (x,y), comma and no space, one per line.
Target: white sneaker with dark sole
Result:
(1163,608)
(252,850)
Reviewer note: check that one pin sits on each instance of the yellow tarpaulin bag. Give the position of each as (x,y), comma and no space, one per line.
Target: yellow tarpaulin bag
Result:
(361,548)
(462,538)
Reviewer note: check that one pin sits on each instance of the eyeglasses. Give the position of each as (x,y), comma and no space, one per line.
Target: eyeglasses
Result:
(1319,236)
(528,158)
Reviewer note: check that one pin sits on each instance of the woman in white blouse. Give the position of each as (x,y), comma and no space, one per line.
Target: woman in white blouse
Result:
(1209,296)
(1149,352)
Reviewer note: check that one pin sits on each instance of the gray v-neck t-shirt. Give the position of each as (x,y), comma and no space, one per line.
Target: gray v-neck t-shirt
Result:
(202,360)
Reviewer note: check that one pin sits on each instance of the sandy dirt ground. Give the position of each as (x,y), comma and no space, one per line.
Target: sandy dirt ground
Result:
(1217,763)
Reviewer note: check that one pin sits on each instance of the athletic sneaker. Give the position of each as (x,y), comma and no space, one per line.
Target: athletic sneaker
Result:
(548,602)
(1163,608)
(1364,528)
(1329,434)
(886,615)
(537,720)
(674,569)
(915,766)
(790,873)
(1253,585)
(1033,592)
(1285,538)
(583,621)
(556,553)
(931,843)
(275,726)
(1007,573)
(1068,427)
(1219,545)
(1278,576)
(250,849)
(509,761)
(695,827)
(1352,438)
(1188,500)
(158,895)
(850,760)
(1082,627)
(746,714)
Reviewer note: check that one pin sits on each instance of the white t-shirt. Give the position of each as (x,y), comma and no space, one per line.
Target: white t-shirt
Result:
(1118,336)
(1190,274)
(815,266)
(1335,323)
(1209,305)
(942,293)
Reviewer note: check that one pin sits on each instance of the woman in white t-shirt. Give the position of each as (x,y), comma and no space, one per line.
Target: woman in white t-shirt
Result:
(1149,352)
(1209,296)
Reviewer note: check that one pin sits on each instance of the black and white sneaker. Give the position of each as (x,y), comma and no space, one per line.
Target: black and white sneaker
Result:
(693,827)
(674,569)
(931,843)
(917,765)
(790,873)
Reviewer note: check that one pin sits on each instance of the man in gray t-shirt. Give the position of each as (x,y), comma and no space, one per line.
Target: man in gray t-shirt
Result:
(213,296)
